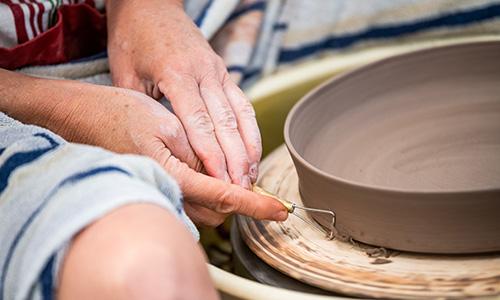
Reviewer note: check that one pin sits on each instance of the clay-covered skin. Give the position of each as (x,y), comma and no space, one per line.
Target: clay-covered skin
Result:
(407,151)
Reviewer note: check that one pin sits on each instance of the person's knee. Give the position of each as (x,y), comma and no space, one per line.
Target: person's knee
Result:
(137,252)
(154,269)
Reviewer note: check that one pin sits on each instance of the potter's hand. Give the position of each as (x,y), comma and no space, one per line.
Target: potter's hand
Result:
(155,48)
(127,121)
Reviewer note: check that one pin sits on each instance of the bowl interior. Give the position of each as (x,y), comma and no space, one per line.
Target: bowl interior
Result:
(426,121)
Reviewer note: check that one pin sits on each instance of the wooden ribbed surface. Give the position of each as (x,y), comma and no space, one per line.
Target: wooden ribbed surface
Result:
(302,252)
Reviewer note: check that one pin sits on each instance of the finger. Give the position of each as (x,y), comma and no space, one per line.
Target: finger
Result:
(189,107)
(151,89)
(124,76)
(174,137)
(226,131)
(247,125)
(202,216)
(156,93)
(223,197)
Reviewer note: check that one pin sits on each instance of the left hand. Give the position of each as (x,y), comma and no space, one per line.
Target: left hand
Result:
(155,48)
(127,121)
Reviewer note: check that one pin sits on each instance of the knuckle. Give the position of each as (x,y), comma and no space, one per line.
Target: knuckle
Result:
(125,80)
(227,202)
(172,131)
(178,67)
(207,78)
(200,120)
(177,130)
(253,211)
(247,110)
(220,62)
(242,166)
(214,160)
(209,59)
(227,120)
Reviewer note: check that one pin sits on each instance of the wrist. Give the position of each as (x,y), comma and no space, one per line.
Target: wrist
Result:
(125,13)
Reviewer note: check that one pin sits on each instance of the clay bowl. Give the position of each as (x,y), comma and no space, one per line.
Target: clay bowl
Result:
(406,151)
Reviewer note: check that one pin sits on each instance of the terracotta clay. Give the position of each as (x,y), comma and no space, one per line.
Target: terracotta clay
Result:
(406,151)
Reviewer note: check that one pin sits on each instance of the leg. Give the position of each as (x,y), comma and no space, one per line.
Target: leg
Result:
(138,251)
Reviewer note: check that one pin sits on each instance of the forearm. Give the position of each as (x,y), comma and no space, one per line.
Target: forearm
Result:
(126,18)
(23,98)
(52,104)
(120,10)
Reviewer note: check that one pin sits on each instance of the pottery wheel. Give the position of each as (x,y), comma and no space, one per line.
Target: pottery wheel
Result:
(302,251)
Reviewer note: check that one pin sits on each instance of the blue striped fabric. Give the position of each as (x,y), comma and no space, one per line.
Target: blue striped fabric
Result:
(68,180)
(237,69)
(47,279)
(199,20)
(259,6)
(92,172)
(22,158)
(243,70)
(52,142)
(103,54)
(280,26)
(390,31)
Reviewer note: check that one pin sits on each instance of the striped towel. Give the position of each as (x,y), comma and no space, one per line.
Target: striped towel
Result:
(51,189)
(258,37)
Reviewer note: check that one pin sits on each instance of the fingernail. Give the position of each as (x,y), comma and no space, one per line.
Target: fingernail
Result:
(227,178)
(280,216)
(253,172)
(245,182)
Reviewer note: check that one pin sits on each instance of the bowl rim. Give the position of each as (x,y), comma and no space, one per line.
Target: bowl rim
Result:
(308,98)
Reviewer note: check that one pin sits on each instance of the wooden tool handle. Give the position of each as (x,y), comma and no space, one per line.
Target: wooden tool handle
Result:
(290,207)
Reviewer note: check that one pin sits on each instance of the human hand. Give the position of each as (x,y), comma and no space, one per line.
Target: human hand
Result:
(127,121)
(155,48)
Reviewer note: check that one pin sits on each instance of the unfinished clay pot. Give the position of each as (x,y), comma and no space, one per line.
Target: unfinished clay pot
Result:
(406,151)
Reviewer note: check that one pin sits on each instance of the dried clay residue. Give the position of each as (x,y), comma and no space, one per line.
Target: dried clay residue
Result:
(380,254)
(381,261)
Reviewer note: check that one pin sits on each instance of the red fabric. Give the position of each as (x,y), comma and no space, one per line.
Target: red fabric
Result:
(80,31)
(41,10)
(32,13)
(18,15)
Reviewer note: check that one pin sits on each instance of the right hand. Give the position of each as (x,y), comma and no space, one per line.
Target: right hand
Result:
(126,121)
(155,48)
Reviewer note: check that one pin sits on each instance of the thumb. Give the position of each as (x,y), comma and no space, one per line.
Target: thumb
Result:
(224,197)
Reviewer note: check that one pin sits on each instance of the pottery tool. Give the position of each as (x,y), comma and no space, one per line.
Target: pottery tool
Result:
(291,207)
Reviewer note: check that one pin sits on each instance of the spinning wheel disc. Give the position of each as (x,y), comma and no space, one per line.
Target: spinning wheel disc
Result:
(302,251)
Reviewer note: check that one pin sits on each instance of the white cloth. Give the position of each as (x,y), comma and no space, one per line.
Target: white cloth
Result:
(50,190)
